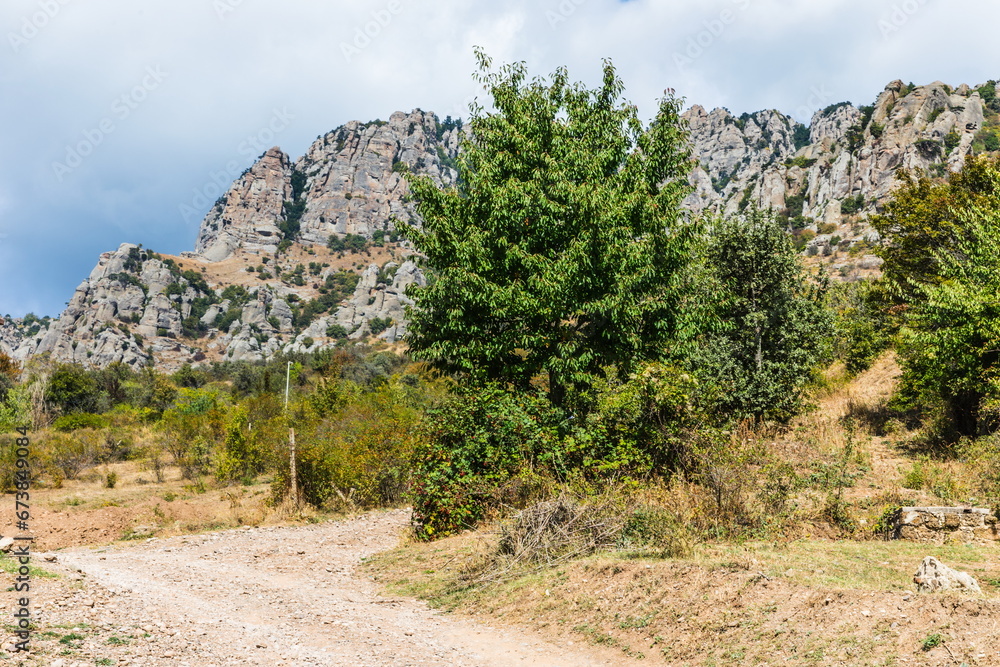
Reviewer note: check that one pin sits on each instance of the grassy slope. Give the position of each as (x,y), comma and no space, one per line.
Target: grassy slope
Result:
(793,600)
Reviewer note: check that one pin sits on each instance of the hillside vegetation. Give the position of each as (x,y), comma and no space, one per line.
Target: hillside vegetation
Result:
(610,384)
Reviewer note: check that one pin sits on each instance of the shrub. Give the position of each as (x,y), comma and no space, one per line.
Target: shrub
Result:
(852,205)
(356,447)
(952,140)
(477,446)
(379,324)
(245,450)
(336,331)
(78,420)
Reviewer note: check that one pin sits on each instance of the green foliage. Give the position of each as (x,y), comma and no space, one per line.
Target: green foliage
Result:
(78,420)
(337,287)
(929,148)
(931,641)
(800,161)
(15,408)
(952,320)
(952,140)
(353,243)
(294,209)
(562,250)
(358,445)
(771,327)
(379,324)
(237,295)
(191,426)
(252,430)
(852,205)
(479,448)
(72,389)
(864,329)
(801,136)
(336,331)
(921,218)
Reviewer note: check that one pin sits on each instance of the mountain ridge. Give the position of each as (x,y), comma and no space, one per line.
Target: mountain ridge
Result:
(300,254)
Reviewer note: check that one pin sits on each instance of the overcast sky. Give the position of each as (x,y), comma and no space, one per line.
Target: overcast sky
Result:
(119,117)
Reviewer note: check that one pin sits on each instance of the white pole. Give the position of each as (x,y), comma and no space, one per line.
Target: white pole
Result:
(291,442)
(288,379)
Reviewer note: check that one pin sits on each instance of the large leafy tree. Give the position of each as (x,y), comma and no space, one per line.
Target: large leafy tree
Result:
(950,340)
(562,251)
(941,245)
(922,218)
(771,326)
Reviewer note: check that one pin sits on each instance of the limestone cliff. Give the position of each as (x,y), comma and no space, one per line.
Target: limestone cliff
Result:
(843,166)
(272,271)
(350,181)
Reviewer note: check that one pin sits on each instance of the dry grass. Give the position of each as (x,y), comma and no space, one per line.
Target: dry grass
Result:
(801,597)
(799,602)
(85,512)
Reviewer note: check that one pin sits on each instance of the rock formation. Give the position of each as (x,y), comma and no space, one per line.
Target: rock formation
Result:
(843,166)
(350,181)
(933,576)
(245,293)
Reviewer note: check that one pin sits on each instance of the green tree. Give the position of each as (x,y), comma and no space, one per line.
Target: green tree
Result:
(940,245)
(950,341)
(772,327)
(563,250)
(921,220)
(72,389)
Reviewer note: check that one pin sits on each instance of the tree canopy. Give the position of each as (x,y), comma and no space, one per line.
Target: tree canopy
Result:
(563,250)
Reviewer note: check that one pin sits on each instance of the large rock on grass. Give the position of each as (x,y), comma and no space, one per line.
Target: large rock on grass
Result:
(933,576)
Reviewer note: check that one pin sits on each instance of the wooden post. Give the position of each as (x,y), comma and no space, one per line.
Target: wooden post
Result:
(291,457)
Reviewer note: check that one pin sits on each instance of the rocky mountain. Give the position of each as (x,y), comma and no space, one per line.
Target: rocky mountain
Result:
(300,254)
(294,257)
(826,179)
(350,181)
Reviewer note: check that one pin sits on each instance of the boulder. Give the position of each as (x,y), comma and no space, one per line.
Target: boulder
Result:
(933,576)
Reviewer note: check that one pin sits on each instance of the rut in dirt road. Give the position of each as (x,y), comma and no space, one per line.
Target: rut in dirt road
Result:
(291,596)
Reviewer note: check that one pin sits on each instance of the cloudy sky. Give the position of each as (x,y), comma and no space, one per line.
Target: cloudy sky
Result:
(121,120)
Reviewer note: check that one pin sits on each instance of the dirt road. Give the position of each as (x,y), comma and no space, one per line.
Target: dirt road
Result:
(266,596)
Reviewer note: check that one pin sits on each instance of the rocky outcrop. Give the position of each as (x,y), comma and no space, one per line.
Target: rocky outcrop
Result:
(138,308)
(945,525)
(354,175)
(933,576)
(350,181)
(248,215)
(10,337)
(843,167)
(132,304)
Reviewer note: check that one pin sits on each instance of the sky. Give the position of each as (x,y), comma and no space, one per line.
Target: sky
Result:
(123,120)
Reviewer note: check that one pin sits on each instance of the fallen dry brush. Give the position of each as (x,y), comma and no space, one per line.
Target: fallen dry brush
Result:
(551,532)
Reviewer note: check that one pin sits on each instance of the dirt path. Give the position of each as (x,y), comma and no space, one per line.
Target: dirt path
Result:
(269,596)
